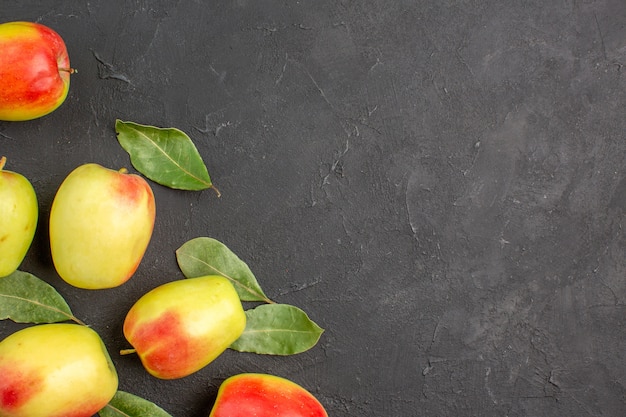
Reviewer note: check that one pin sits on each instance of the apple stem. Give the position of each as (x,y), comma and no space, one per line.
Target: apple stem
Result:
(123,171)
(3,161)
(127,351)
(70,70)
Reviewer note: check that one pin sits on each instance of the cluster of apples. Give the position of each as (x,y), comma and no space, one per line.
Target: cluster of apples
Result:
(101,222)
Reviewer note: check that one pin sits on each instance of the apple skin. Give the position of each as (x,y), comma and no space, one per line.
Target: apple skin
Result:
(101,223)
(181,326)
(34,71)
(264,395)
(55,370)
(18,218)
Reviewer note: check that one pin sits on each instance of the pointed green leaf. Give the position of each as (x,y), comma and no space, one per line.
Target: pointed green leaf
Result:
(24,298)
(206,256)
(277,329)
(124,404)
(165,155)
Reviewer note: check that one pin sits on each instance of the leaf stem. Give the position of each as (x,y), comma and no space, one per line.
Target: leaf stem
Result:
(78,321)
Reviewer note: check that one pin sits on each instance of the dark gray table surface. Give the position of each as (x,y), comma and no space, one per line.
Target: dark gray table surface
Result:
(439,184)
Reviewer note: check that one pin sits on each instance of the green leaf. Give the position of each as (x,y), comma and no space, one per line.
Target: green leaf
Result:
(24,298)
(277,329)
(124,404)
(206,256)
(165,155)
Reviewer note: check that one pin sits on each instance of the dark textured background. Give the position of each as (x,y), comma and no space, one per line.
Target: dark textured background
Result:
(439,184)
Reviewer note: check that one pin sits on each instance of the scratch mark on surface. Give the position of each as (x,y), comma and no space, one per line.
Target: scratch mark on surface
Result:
(460,58)
(269,29)
(282,73)
(216,130)
(601,36)
(477,148)
(108,71)
(435,333)
(433,339)
(377,63)
(336,166)
(612,291)
(304,286)
(155,35)
(221,126)
(580,403)
(350,128)
(552,380)
(303,27)
(94,113)
(221,76)
(487,386)
(319,88)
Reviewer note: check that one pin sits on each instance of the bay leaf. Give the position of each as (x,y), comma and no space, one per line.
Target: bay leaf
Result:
(24,298)
(124,404)
(207,256)
(277,329)
(165,155)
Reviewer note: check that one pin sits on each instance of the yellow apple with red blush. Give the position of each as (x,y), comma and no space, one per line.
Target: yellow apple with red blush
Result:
(101,222)
(55,370)
(181,326)
(18,218)
(264,395)
(34,71)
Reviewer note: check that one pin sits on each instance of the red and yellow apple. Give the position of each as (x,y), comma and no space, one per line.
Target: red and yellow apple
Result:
(101,223)
(264,395)
(180,327)
(34,71)
(18,218)
(55,370)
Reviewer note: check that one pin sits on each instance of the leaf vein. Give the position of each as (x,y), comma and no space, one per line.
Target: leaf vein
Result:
(117,410)
(236,282)
(51,308)
(280,331)
(176,163)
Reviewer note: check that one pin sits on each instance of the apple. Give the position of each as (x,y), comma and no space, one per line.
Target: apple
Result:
(264,395)
(101,223)
(18,218)
(34,71)
(55,370)
(180,327)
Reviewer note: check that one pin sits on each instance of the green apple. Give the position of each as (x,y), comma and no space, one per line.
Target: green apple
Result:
(101,223)
(34,71)
(55,370)
(18,218)
(263,395)
(181,326)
